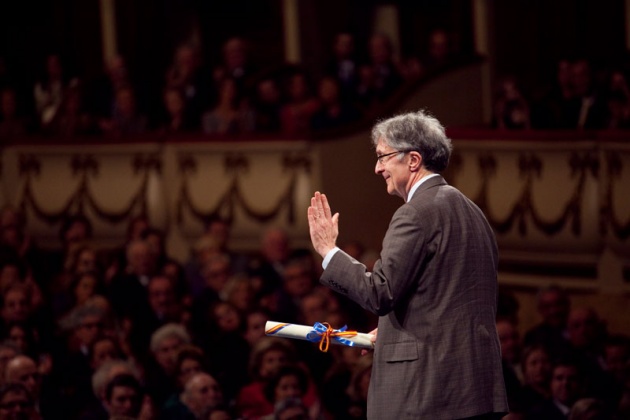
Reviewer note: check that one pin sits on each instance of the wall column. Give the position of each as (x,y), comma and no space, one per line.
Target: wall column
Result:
(108,29)
(483,47)
(386,22)
(290,16)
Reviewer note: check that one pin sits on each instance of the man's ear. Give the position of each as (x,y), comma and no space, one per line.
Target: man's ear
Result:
(415,161)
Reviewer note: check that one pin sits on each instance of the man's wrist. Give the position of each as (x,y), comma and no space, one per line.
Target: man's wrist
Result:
(328,256)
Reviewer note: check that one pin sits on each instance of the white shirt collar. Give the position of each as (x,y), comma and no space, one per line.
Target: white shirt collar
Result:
(417,184)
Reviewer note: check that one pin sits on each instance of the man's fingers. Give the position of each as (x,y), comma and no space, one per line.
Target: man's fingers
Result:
(325,206)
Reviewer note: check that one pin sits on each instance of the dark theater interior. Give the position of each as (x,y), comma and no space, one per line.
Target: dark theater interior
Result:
(157,160)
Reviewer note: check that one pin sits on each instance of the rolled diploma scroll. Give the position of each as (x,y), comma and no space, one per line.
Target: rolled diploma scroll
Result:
(300,332)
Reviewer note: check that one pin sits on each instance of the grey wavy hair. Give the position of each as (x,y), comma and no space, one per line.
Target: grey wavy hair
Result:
(103,375)
(417,131)
(167,331)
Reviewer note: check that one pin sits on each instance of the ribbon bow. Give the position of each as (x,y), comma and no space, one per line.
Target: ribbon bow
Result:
(323,333)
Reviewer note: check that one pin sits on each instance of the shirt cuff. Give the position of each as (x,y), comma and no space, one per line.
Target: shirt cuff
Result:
(329,256)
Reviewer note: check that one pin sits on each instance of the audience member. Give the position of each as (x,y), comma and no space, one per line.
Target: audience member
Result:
(17,403)
(104,349)
(232,114)
(344,65)
(239,292)
(101,92)
(290,382)
(201,396)
(618,101)
(49,90)
(128,287)
(267,267)
(13,124)
(23,370)
(16,305)
(565,387)
(94,408)
(267,105)
(126,120)
(587,335)
(366,91)
(236,64)
(298,280)
(123,396)
(7,352)
(358,388)
(442,51)
(226,326)
(221,229)
(553,305)
(334,111)
(511,110)
(85,325)
(536,376)
(266,358)
(177,118)
(25,338)
(161,306)
(616,356)
(553,109)
(161,374)
(215,274)
(300,106)
(72,119)
(186,74)
(385,72)
(589,109)
(255,325)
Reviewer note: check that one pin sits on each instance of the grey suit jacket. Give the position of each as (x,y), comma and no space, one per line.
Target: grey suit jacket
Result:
(437,353)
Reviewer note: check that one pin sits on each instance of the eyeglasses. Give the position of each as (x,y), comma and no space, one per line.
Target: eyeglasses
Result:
(380,158)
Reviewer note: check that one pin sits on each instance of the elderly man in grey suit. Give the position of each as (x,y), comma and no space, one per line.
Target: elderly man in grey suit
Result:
(434,287)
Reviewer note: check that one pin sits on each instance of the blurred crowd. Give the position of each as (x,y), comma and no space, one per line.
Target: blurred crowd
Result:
(237,96)
(566,367)
(234,97)
(94,332)
(580,97)
(88,332)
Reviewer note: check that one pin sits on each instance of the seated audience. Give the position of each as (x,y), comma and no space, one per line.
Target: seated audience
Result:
(232,115)
(123,396)
(177,118)
(511,110)
(536,376)
(201,396)
(126,119)
(334,111)
(17,403)
(566,389)
(300,106)
(13,124)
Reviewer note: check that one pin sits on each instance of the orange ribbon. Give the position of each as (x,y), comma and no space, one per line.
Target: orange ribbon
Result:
(324,341)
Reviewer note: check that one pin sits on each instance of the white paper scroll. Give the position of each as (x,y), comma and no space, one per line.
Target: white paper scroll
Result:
(305,332)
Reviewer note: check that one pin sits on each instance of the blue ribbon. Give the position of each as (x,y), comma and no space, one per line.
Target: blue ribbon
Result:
(319,329)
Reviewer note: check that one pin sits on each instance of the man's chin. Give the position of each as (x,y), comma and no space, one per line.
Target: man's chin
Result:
(394,193)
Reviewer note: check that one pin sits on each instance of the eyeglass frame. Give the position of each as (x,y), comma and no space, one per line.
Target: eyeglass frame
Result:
(380,157)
